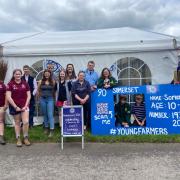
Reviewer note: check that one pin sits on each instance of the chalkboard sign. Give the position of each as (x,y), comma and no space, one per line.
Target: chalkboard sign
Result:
(161,106)
(72,121)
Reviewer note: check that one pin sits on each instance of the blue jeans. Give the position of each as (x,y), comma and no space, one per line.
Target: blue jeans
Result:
(47,107)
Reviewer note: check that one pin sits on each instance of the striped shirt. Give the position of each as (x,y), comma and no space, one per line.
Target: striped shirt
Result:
(139,111)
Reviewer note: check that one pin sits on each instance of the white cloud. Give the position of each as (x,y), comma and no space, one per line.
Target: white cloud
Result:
(44,15)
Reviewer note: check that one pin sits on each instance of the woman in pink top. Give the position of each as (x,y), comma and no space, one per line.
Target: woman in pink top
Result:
(18,96)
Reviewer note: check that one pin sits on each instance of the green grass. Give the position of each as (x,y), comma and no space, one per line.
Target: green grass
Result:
(37,136)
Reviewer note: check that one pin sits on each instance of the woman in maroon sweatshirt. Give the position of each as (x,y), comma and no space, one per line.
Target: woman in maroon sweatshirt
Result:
(18,96)
(3,107)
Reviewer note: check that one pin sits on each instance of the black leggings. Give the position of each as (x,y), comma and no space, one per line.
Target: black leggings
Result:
(86,113)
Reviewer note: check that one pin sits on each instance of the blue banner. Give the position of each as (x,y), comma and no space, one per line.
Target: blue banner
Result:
(72,121)
(162,110)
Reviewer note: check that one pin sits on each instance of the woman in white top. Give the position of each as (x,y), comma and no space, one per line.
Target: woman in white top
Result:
(70,78)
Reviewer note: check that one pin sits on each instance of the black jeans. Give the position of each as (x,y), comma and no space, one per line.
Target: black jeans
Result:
(31,112)
(86,112)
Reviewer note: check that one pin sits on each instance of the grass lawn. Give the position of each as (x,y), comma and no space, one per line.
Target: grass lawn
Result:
(37,136)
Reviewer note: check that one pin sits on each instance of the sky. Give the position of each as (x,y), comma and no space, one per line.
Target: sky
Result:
(161,16)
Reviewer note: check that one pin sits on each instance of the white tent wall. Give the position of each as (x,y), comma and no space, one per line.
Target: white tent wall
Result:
(161,63)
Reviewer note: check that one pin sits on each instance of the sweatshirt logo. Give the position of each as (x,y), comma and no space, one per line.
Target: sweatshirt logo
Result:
(15,87)
(23,86)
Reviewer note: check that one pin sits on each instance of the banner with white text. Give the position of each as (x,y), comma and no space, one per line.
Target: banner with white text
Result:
(151,109)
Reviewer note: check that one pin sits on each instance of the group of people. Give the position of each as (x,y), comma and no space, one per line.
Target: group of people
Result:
(66,89)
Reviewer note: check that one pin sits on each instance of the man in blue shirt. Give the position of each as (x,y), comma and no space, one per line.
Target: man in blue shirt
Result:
(91,76)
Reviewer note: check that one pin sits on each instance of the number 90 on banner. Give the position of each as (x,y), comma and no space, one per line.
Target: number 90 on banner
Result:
(102,92)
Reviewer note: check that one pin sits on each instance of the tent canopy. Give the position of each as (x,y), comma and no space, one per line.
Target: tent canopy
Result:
(85,42)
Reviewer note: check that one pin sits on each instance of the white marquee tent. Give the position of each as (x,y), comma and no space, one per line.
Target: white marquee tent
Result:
(134,56)
(107,47)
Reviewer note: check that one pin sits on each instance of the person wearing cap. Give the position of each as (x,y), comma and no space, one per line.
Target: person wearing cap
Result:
(122,112)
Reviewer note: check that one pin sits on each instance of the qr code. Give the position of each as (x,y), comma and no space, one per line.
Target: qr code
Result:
(102,108)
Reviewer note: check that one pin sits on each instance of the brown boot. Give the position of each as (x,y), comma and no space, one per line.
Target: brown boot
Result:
(26,141)
(19,142)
